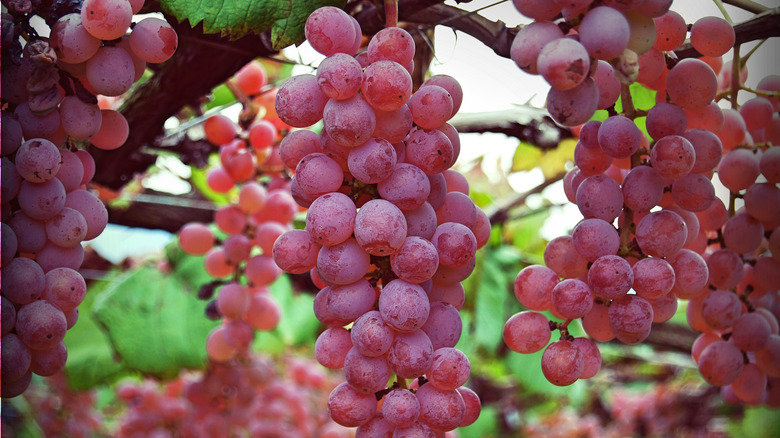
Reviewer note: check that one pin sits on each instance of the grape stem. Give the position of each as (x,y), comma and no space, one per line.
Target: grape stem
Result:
(723,11)
(735,80)
(391,13)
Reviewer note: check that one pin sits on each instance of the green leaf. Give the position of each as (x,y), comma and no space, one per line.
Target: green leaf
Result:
(298,324)
(491,300)
(237,18)
(526,157)
(154,324)
(485,426)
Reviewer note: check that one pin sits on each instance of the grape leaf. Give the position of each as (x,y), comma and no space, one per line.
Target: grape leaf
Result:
(237,18)
(155,325)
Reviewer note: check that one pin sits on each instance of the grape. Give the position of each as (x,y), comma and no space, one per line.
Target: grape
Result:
(533,287)
(768,358)
(642,188)
(665,119)
(742,233)
(300,101)
(607,83)
(373,161)
(71,41)
(370,335)
(564,63)
(572,298)
(529,41)
(593,238)
(330,30)
(527,332)
(762,202)
(653,277)
(751,385)
(233,300)
(340,76)
(67,228)
(344,263)
(440,409)
(610,276)
(376,426)
(36,125)
(604,32)
(599,196)
(16,358)
(455,244)
(317,174)
(71,171)
(366,374)
(693,192)
(49,362)
(392,44)
(671,31)
(331,219)
(387,85)
(720,363)
(712,36)
(642,31)
(630,318)
(401,408)
(349,122)
(733,132)
(113,132)
(561,256)
(537,9)
(457,208)
(404,306)
(42,201)
(596,323)
(64,288)
(411,354)
(661,233)
(725,268)
(591,357)
(219,129)
(619,137)
(37,160)
(40,325)
(295,251)
(720,309)
(380,227)
(347,302)
(450,369)
(562,363)
(652,69)
(443,326)
(690,271)
(429,150)
(416,261)
(91,208)
(421,221)
(10,244)
(574,106)
(473,406)
(30,233)
(756,113)
(750,332)
(11,180)
(297,144)
(673,156)
(691,84)
(431,106)
(106,19)
(332,346)
(451,85)
(153,40)
(111,71)
(393,126)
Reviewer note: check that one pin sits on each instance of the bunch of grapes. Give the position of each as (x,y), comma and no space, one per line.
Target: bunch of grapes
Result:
(674,238)
(390,230)
(49,97)
(241,262)
(235,398)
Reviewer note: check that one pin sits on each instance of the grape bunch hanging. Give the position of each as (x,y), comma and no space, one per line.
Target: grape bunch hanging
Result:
(653,231)
(50,114)
(390,230)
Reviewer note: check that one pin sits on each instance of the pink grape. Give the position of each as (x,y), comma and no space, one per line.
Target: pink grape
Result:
(450,369)
(693,192)
(673,156)
(106,19)
(37,160)
(71,41)
(153,40)
(24,280)
(599,196)
(343,263)
(329,30)
(712,36)
(408,187)
(40,325)
(443,326)
(527,332)
(608,84)
(370,335)
(393,44)
(350,408)
(400,408)
(380,227)
(431,106)
(564,63)
(596,323)
(665,119)
(366,374)
(630,318)
(671,30)
(42,201)
(67,228)
(416,261)
(529,41)
(113,131)
(653,277)
(71,171)
(591,357)
(604,32)
(300,102)
(533,287)
(349,122)
(619,137)
(296,252)
(331,218)
(742,233)
(691,84)
(643,188)
(661,233)
(720,363)
(593,238)
(750,332)
(111,71)
(393,126)
(440,409)
(610,277)
(411,354)
(387,85)
(347,302)
(690,271)
(562,363)
(451,85)
(572,298)
(574,106)
(404,306)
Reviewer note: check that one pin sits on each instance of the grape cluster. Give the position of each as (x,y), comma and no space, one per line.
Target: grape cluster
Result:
(390,230)
(248,397)
(49,96)
(259,213)
(674,238)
